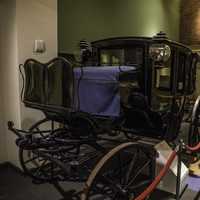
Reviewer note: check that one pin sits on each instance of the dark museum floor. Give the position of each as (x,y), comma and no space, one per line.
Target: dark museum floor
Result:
(14,186)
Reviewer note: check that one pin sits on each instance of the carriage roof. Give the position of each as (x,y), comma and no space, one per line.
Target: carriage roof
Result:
(130,40)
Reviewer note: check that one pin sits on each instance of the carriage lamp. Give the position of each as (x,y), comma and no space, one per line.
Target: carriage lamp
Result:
(160,52)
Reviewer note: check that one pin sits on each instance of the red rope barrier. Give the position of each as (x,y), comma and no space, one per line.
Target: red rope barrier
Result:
(194,149)
(162,173)
(157,180)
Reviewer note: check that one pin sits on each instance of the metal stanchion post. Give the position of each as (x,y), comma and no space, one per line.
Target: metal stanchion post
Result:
(179,162)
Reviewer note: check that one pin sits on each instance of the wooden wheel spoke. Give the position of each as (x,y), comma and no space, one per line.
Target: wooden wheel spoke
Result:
(138,185)
(120,168)
(30,160)
(130,169)
(40,168)
(111,183)
(138,173)
(99,190)
(115,173)
(105,194)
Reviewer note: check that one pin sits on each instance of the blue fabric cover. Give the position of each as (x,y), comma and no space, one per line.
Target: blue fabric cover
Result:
(97,89)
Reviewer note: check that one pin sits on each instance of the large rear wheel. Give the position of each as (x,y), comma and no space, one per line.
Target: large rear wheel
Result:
(122,174)
(194,129)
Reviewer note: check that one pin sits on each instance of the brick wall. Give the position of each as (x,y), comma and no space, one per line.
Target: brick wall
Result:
(190,22)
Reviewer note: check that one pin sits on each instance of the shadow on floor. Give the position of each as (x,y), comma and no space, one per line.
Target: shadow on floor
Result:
(15,186)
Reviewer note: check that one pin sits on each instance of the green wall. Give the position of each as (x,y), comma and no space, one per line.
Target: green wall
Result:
(98,19)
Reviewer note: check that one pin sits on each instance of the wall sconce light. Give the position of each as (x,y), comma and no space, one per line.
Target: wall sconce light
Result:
(39,46)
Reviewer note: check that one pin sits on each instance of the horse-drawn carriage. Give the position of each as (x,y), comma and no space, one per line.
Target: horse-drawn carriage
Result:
(102,114)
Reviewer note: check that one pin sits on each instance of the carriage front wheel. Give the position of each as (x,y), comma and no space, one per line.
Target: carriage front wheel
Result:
(122,174)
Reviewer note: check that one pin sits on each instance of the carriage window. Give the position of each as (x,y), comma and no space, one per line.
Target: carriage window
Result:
(134,56)
(163,76)
(129,82)
(181,72)
(162,86)
(194,75)
(116,57)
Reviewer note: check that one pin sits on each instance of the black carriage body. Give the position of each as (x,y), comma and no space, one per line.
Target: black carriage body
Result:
(155,105)
(178,82)
(136,51)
